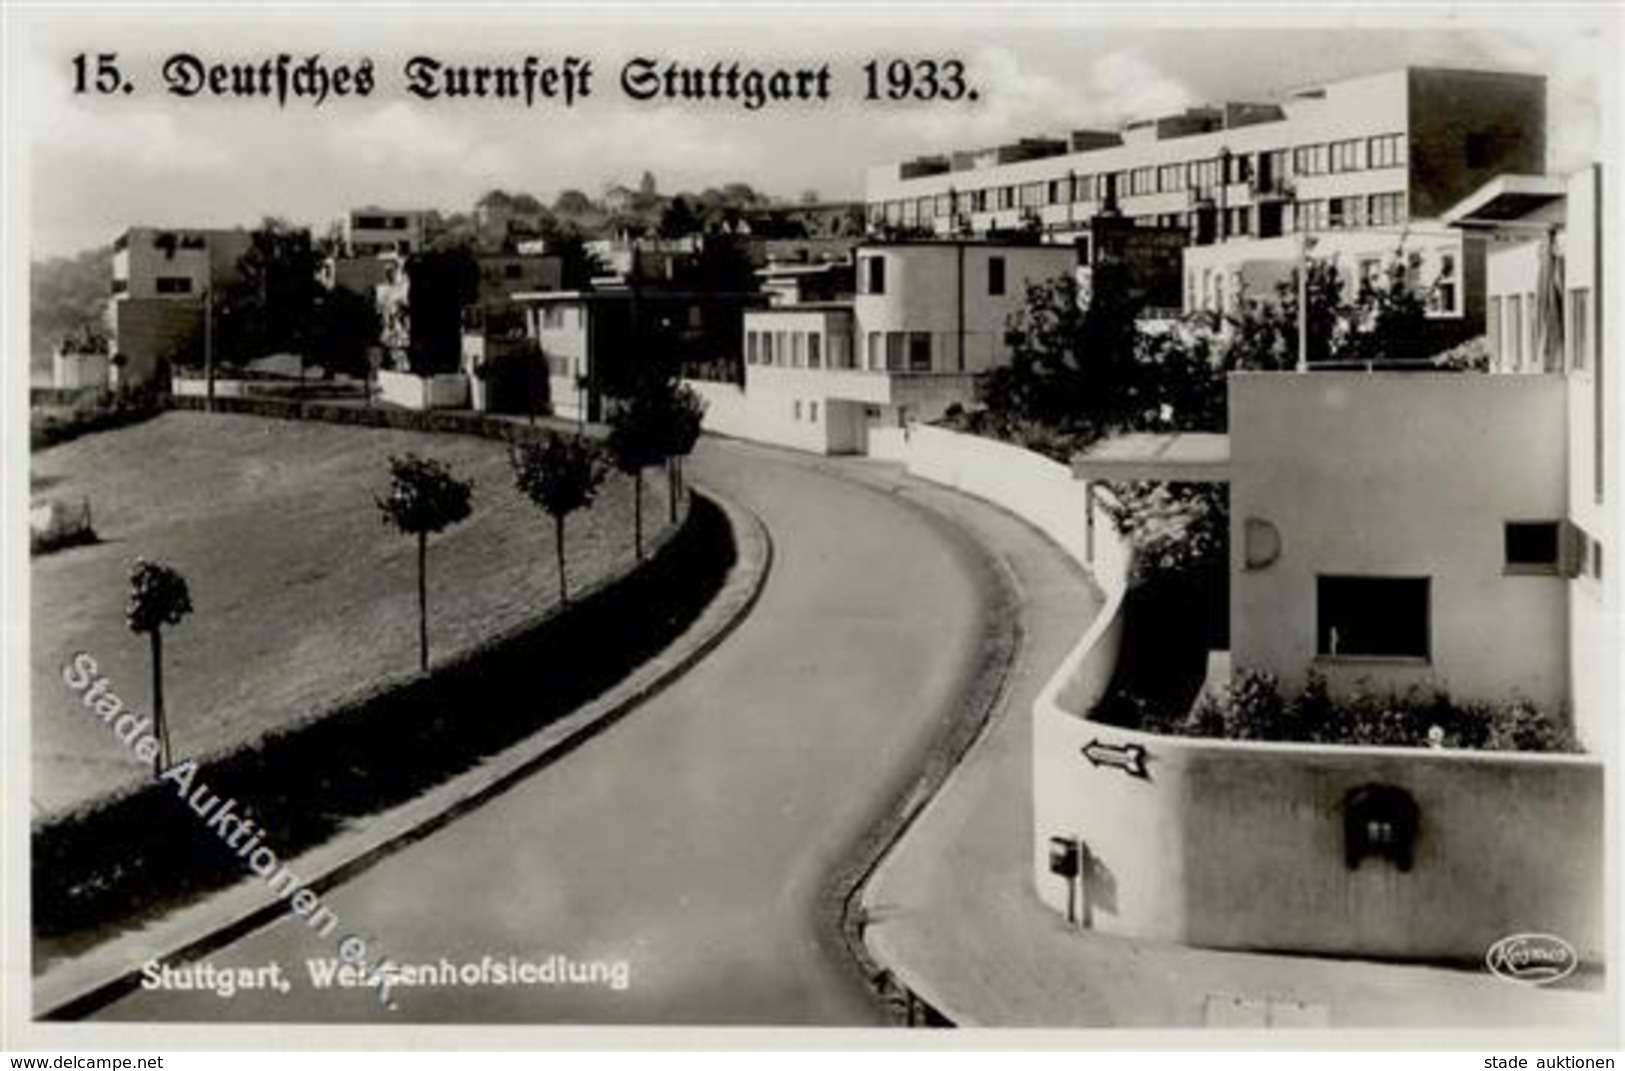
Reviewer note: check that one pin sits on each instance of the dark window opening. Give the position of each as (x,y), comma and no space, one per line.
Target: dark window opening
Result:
(1532,546)
(995,275)
(1372,617)
(874,275)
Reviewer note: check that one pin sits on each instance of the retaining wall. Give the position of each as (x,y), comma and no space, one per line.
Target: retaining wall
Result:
(1241,845)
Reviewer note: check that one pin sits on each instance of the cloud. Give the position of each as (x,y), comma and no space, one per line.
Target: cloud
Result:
(1018,100)
(461,149)
(125,133)
(407,138)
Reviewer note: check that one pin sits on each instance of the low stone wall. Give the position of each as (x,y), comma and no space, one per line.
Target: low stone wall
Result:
(1241,845)
(447,391)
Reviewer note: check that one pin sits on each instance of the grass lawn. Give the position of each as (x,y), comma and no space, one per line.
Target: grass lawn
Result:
(301,595)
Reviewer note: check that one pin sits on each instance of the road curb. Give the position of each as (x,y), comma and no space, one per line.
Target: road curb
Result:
(962,730)
(76,987)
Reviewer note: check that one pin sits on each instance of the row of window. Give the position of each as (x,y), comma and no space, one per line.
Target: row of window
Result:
(1349,213)
(1264,170)
(1208,290)
(1512,327)
(883,351)
(380,223)
(797,349)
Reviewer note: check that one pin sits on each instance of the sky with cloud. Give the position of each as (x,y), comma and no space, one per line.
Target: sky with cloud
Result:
(96,165)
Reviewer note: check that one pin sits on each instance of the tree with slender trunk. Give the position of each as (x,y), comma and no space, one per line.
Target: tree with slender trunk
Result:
(685,412)
(157,597)
(424,497)
(560,475)
(634,443)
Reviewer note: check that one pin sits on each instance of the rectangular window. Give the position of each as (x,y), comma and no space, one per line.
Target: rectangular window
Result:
(840,351)
(1514,333)
(796,408)
(1309,160)
(1386,150)
(781,346)
(1371,617)
(796,358)
(513,271)
(752,347)
(874,275)
(1579,333)
(1346,155)
(1492,331)
(174,284)
(1530,315)
(767,347)
(919,351)
(1532,547)
(815,359)
(895,342)
(995,276)
(1387,209)
(1170,178)
(812,412)
(552,316)
(877,360)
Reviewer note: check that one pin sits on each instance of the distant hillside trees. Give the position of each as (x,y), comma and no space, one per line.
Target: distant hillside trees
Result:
(67,299)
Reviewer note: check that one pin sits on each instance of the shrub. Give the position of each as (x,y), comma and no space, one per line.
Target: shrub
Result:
(1251,707)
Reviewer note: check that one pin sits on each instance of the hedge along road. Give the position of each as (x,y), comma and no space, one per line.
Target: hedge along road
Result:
(691,841)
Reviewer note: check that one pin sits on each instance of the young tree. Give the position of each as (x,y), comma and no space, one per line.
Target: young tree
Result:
(346,328)
(684,413)
(1073,367)
(424,497)
(636,440)
(443,281)
(157,597)
(271,304)
(560,475)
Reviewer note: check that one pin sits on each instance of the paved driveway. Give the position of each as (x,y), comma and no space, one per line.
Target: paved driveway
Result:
(691,840)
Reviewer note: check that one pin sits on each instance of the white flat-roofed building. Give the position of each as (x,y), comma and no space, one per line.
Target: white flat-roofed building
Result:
(371,231)
(1372,151)
(928,318)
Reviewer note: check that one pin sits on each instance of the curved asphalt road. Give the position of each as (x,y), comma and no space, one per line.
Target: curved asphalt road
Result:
(693,838)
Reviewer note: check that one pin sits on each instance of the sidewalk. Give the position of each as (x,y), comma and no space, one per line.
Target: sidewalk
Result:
(952,911)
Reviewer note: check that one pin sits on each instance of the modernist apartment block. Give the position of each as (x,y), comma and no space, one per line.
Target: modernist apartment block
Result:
(928,317)
(160,279)
(1373,152)
(370,231)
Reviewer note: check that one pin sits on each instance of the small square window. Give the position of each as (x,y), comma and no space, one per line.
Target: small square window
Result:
(1532,547)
